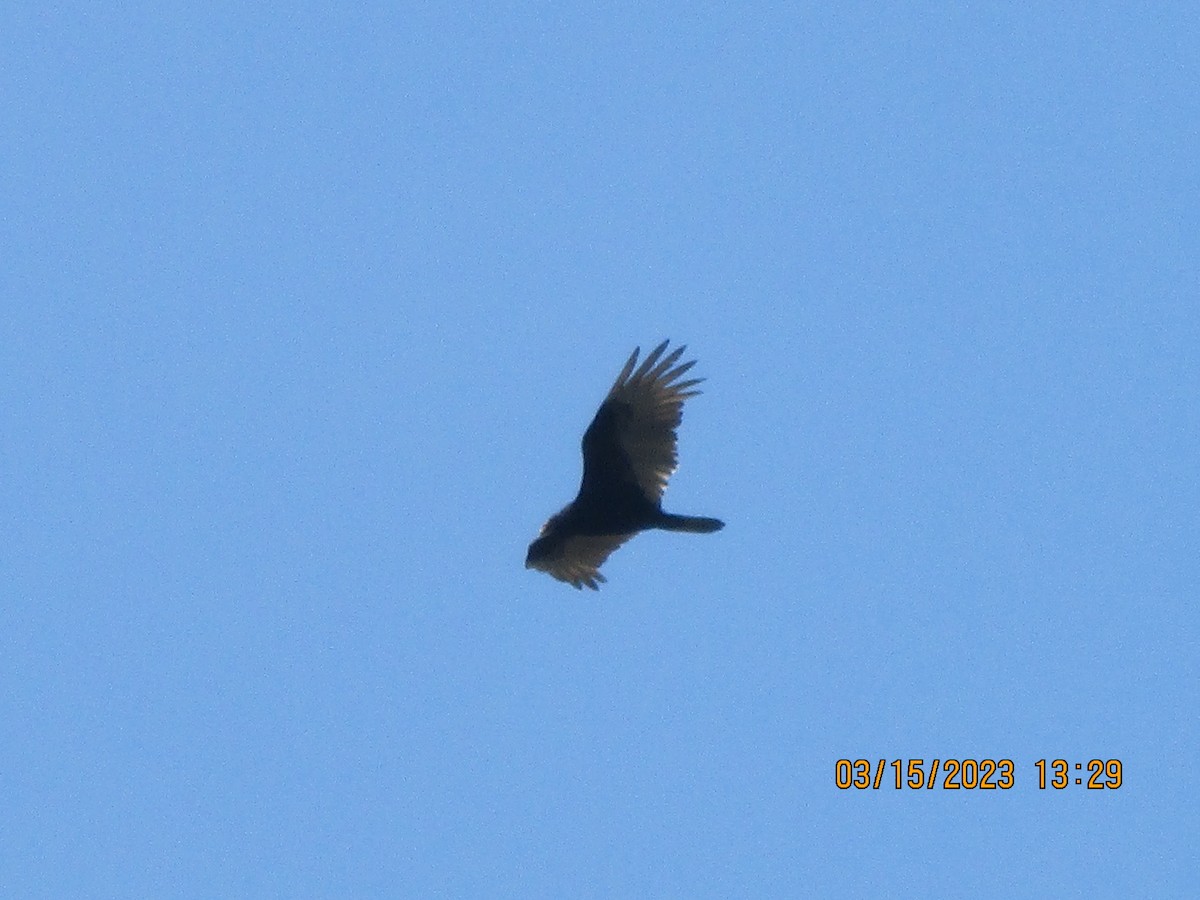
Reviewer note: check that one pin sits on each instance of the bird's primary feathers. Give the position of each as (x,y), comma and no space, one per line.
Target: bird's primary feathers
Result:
(628,456)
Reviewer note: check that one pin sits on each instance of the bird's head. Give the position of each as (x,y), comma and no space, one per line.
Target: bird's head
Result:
(545,546)
(540,552)
(536,553)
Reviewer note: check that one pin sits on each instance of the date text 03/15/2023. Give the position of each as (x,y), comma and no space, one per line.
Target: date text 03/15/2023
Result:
(974,774)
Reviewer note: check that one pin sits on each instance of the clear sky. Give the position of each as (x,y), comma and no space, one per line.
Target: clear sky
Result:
(305,311)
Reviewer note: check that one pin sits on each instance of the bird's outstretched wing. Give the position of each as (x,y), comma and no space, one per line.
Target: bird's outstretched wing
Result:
(578,562)
(632,437)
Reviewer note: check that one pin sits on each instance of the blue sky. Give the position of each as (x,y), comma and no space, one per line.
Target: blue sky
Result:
(305,311)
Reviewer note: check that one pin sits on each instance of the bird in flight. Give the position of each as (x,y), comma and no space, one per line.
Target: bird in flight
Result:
(628,456)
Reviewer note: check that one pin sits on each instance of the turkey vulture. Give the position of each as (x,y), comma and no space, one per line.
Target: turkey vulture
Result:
(628,455)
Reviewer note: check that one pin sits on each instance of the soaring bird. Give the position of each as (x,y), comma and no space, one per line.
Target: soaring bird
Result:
(628,456)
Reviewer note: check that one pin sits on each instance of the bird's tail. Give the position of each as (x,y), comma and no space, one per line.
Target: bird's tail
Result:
(697,524)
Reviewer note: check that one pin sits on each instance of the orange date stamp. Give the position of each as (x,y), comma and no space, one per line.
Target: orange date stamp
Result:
(973,774)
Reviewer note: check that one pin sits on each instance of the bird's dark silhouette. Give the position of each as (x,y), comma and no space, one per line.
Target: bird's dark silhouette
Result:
(628,456)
